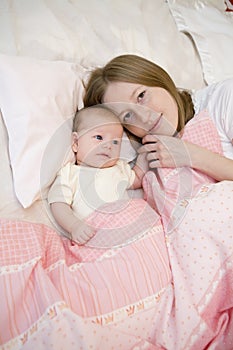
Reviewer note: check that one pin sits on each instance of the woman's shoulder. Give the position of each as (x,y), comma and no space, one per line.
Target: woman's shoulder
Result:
(213,96)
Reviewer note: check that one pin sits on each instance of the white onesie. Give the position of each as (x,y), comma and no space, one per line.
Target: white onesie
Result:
(86,188)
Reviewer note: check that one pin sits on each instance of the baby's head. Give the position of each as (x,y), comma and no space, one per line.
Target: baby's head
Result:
(97,136)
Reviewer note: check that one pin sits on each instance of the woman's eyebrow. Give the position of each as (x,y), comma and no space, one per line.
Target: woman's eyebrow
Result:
(134,92)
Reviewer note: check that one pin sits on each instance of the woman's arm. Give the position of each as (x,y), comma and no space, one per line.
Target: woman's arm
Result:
(172,152)
(79,231)
(213,164)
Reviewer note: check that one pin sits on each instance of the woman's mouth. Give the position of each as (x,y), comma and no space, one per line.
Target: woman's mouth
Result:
(155,125)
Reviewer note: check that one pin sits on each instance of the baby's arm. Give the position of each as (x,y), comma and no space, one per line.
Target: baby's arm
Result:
(140,168)
(79,231)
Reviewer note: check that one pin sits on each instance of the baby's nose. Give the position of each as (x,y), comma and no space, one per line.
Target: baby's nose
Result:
(107,144)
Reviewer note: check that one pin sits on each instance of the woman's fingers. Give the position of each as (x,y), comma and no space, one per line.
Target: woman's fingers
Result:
(162,151)
(155,164)
(149,147)
(152,156)
(150,138)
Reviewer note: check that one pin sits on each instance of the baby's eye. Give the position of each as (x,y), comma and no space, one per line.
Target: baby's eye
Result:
(141,96)
(98,137)
(115,142)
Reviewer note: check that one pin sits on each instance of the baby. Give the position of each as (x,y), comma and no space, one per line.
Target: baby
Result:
(98,176)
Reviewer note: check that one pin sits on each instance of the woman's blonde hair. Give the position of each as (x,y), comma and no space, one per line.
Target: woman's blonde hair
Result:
(137,70)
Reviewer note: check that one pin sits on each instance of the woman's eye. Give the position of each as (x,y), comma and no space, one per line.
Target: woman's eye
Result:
(115,142)
(98,137)
(141,96)
(127,117)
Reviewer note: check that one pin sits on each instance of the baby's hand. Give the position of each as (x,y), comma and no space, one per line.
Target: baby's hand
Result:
(81,232)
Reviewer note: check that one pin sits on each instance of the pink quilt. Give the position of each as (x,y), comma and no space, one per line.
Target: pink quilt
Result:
(55,295)
(121,291)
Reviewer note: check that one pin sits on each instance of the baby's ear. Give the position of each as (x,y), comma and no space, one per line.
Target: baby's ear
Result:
(74,143)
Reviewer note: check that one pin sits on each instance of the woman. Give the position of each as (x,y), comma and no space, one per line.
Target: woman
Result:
(199,234)
(135,80)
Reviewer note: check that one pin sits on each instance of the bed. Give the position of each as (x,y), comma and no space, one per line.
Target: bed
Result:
(56,295)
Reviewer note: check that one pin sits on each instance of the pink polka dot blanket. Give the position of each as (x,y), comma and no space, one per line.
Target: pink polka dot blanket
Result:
(168,190)
(197,217)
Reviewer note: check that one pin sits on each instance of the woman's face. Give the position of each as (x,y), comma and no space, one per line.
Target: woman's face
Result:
(143,110)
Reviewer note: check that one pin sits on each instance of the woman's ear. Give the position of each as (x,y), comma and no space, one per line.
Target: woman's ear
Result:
(74,142)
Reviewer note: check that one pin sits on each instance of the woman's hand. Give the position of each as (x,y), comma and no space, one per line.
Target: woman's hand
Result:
(165,151)
(172,152)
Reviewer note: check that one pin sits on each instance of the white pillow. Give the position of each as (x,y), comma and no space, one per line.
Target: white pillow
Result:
(38,100)
(211,28)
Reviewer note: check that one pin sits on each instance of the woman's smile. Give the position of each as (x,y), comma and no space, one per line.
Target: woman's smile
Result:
(155,126)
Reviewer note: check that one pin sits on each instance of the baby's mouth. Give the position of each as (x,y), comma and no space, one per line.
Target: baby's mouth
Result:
(103,155)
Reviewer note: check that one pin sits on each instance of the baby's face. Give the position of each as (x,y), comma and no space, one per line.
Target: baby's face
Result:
(99,146)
